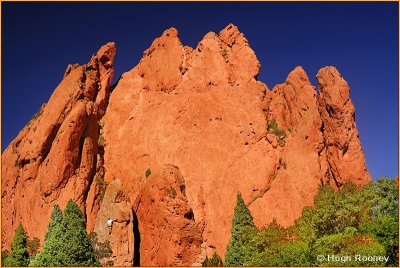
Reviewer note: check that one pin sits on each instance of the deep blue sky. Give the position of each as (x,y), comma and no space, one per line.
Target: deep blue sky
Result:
(360,39)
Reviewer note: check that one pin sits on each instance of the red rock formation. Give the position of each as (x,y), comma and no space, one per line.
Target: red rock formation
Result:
(344,155)
(54,157)
(194,117)
(170,235)
(116,206)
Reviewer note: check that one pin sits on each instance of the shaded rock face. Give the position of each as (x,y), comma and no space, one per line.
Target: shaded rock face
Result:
(169,232)
(199,120)
(116,206)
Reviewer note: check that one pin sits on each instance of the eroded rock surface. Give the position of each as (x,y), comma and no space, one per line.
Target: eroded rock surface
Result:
(169,232)
(192,117)
(116,206)
(54,158)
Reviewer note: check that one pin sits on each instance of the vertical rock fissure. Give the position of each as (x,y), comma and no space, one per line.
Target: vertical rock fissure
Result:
(136,244)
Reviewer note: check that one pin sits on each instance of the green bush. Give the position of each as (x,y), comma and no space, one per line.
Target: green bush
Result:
(102,250)
(102,187)
(279,133)
(148,172)
(274,129)
(348,222)
(215,261)
(101,141)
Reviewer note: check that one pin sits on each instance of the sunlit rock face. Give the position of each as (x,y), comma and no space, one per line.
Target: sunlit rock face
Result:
(165,150)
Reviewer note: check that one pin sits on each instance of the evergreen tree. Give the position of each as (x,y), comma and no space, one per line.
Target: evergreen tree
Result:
(56,218)
(68,243)
(353,220)
(4,255)
(33,246)
(19,251)
(215,261)
(242,231)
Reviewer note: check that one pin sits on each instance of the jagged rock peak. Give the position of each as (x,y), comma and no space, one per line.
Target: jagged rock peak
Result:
(328,76)
(106,53)
(343,147)
(230,34)
(298,77)
(181,134)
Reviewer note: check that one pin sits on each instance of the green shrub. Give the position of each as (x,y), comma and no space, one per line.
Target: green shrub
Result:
(148,172)
(215,261)
(274,129)
(275,174)
(225,54)
(102,250)
(282,163)
(102,187)
(279,133)
(348,222)
(101,141)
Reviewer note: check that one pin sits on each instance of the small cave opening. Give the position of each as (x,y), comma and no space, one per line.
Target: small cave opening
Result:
(136,245)
(189,215)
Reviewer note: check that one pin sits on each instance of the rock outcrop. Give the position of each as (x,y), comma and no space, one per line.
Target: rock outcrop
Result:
(170,235)
(116,206)
(345,158)
(167,150)
(56,156)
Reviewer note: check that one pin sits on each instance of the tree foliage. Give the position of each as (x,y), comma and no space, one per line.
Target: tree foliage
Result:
(33,246)
(102,250)
(67,242)
(56,218)
(19,250)
(215,261)
(243,229)
(347,222)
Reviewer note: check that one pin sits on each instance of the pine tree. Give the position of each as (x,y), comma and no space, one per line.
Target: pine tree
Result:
(215,261)
(68,243)
(19,251)
(242,231)
(56,218)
